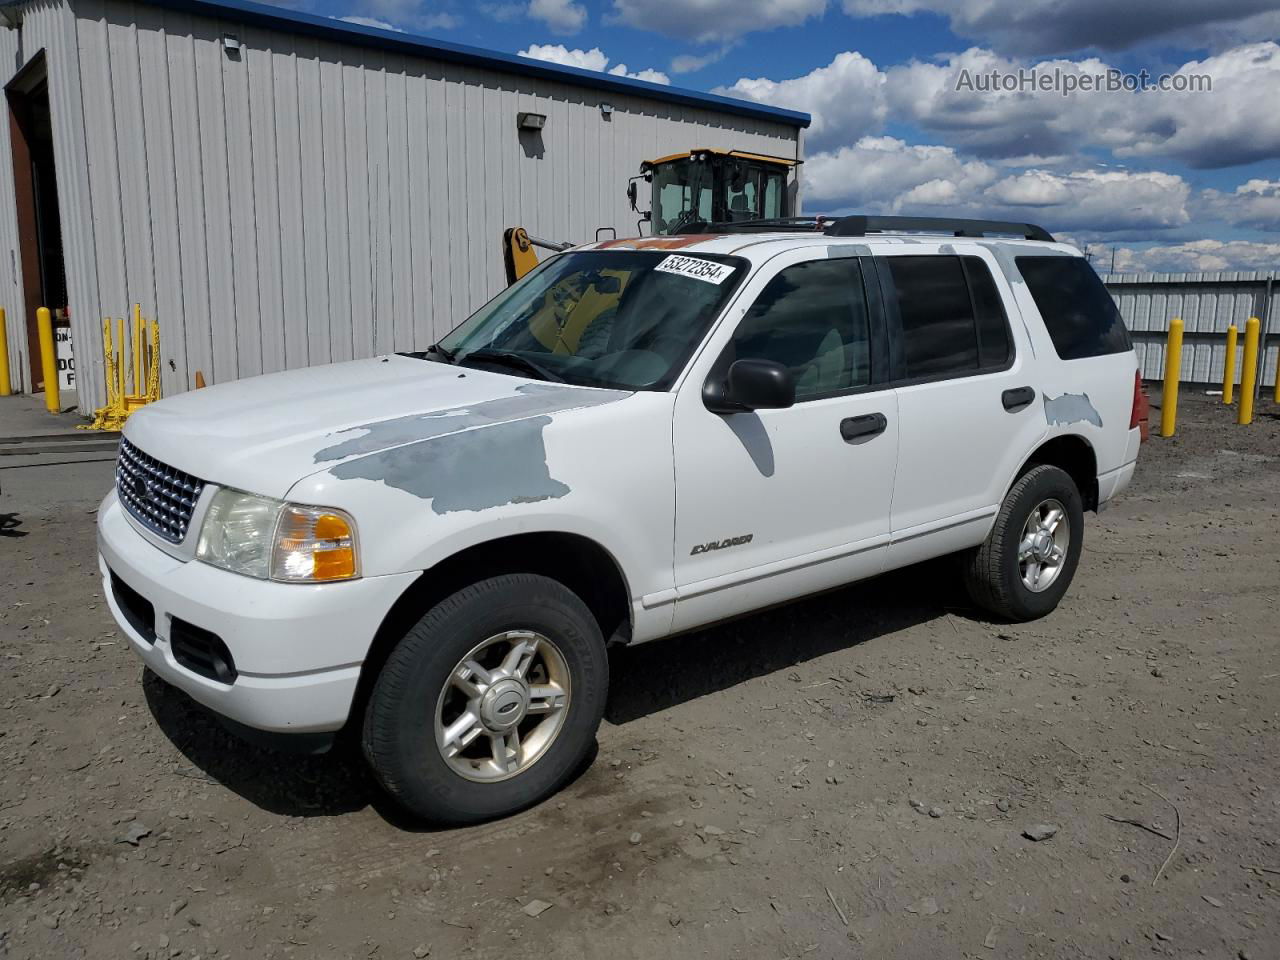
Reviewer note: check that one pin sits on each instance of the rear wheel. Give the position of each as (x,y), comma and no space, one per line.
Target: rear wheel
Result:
(490,702)
(1029,558)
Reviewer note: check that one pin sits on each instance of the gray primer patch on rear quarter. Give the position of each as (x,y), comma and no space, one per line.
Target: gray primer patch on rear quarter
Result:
(530,399)
(1071,408)
(482,468)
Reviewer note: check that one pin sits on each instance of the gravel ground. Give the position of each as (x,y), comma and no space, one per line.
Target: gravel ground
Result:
(849,776)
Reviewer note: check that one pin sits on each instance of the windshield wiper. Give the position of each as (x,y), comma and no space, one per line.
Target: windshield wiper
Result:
(507,358)
(442,351)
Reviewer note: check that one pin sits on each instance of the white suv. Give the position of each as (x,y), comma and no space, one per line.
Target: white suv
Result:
(638,438)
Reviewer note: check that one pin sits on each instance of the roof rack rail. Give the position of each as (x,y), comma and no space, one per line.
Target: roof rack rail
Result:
(771,225)
(860,226)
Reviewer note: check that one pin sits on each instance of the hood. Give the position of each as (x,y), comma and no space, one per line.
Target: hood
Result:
(264,434)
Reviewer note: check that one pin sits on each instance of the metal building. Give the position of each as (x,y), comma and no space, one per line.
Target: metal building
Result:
(281,190)
(1207,303)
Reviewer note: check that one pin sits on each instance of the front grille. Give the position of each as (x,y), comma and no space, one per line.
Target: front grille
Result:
(158,496)
(201,651)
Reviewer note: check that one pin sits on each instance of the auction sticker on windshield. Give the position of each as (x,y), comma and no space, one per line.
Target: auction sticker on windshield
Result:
(695,267)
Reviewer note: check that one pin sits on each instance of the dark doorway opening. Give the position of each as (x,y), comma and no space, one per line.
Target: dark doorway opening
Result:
(40,256)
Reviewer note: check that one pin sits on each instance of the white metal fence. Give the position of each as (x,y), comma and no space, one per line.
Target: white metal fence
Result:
(1207,303)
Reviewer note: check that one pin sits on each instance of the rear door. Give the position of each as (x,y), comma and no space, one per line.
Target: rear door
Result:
(773,504)
(968,401)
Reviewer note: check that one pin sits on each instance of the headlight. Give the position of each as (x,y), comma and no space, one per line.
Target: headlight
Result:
(265,538)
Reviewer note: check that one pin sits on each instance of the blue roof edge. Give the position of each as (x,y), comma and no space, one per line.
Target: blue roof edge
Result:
(293,21)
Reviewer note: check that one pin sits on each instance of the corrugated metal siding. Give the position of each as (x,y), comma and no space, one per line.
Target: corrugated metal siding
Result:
(310,201)
(1207,303)
(11,292)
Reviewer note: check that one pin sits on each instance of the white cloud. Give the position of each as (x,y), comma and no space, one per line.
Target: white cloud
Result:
(1233,123)
(887,175)
(1255,203)
(562,16)
(371,22)
(875,174)
(1197,256)
(401,15)
(688,63)
(846,98)
(713,21)
(1058,26)
(593,59)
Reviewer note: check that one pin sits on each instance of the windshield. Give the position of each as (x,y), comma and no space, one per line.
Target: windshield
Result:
(627,319)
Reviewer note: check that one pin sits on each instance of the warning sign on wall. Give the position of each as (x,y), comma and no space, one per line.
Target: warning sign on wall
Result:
(66,359)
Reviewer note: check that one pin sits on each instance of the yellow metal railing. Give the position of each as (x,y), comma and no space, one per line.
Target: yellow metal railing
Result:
(128,363)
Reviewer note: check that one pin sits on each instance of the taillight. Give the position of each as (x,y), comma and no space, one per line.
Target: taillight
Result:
(1135,416)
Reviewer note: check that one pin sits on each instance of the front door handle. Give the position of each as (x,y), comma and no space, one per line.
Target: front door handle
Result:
(865,426)
(1017,398)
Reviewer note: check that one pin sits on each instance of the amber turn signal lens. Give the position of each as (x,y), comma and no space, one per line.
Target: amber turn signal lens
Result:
(314,544)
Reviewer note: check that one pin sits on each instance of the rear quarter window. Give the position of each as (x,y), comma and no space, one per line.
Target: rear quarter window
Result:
(1082,319)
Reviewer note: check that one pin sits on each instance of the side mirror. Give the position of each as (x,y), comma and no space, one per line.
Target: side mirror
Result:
(751,385)
(631,194)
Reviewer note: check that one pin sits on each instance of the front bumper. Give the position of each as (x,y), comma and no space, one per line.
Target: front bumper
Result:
(296,648)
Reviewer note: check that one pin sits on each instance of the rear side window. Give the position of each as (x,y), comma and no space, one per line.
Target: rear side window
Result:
(1082,319)
(953,321)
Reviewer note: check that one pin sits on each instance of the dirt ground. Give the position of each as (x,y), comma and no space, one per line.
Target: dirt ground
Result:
(849,776)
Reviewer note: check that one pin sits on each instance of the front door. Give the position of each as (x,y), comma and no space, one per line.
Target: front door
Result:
(773,504)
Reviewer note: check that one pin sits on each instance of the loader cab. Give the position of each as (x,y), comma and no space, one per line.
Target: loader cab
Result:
(713,186)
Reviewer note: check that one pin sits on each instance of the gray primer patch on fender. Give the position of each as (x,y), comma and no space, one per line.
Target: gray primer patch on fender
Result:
(530,400)
(1071,408)
(486,467)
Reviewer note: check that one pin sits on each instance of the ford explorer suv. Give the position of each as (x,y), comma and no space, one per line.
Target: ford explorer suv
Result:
(639,438)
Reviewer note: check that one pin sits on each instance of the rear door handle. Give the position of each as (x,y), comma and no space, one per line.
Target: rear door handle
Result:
(867,425)
(1017,398)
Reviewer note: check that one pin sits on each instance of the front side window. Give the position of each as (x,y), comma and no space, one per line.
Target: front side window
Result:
(811,318)
(626,319)
(1082,319)
(952,318)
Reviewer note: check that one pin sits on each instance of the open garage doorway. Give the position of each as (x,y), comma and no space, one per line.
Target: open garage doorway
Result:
(44,278)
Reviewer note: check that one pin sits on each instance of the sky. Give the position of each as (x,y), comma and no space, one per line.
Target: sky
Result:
(905,123)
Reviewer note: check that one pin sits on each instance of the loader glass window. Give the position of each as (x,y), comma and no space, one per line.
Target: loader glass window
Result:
(682,192)
(627,319)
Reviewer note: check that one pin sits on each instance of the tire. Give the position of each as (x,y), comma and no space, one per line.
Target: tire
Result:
(416,701)
(994,571)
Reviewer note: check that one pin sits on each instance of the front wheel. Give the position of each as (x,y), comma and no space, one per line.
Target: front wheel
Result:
(490,702)
(1029,558)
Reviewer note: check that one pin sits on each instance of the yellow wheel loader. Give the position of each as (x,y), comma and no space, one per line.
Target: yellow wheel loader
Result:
(695,187)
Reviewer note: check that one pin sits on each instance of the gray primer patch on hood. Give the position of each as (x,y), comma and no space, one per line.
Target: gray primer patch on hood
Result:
(836,252)
(1071,408)
(531,400)
(490,466)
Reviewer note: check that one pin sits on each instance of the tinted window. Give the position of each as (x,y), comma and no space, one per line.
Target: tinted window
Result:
(993,327)
(1082,318)
(937,317)
(812,317)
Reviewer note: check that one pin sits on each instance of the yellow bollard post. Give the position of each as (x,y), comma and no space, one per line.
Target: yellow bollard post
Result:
(123,357)
(1249,374)
(137,349)
(6,387)
(1172,373)
(1229,366)
(48,360)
